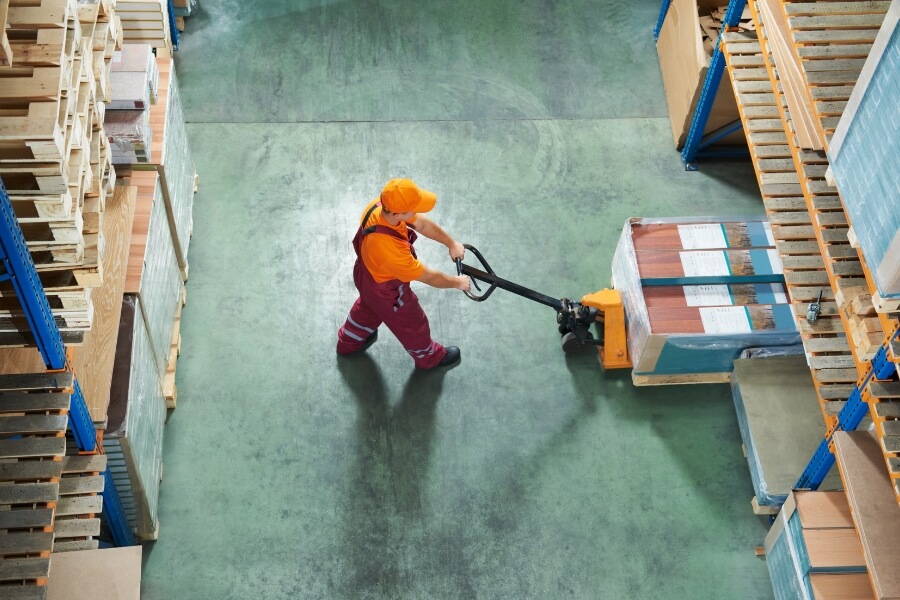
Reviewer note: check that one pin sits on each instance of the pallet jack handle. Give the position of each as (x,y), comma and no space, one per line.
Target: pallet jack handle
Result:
(488,276)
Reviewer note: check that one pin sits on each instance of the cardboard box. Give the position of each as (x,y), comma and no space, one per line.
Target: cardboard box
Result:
(684,63)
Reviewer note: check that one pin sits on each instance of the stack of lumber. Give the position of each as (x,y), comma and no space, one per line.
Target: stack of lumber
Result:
(137,415)
(874,507)
(54,156)
(865,160)
(780,421)
(146,22)
(697,293)
(813,550)
(819,48)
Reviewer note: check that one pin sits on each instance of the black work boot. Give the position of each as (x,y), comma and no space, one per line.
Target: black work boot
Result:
(451,359)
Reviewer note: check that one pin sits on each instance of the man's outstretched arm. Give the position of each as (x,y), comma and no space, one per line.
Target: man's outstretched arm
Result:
(442,280)
(433,231)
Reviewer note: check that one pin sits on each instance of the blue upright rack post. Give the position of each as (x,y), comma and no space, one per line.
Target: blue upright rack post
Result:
(173,26)
(849,418)
(662,18)
(695,143)
(19,269)
(114,514)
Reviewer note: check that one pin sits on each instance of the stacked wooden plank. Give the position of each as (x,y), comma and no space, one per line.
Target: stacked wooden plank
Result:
(813,551)
(146,22)
(54,156)
(819,48)
(692,314)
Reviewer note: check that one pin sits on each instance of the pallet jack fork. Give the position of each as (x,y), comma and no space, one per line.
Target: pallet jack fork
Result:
(574,319)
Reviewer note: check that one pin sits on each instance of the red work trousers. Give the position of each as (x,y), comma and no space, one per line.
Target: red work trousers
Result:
(397,306)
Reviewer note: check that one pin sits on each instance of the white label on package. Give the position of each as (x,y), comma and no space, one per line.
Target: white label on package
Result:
(707,295)
(725,319)
(117,56)
(704,264)
(775,261)
(767,227)
(701,237)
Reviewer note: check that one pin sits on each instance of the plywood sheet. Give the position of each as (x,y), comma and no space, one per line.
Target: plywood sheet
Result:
(875,509)
(108,574)
(94,359)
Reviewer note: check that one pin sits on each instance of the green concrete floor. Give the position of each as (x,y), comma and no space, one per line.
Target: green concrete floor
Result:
(520,474)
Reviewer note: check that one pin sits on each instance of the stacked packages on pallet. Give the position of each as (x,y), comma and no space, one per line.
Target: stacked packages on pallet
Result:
(865,159)
(152,268)
(174,161)
(697,292)
(135,81)
(813,551)
(780,420)
(137,414)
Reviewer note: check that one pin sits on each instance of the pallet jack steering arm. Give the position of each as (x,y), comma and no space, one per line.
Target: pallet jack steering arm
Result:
(573,318)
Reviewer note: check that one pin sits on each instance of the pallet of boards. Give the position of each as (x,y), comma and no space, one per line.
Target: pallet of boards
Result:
(780,421)
(146,22)
(692,333)
(152,272)
(813,551)
(173,161)
(137,414)
(865,161)
(54,157)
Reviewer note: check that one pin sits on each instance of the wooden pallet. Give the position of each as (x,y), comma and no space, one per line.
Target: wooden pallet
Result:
(35,407)
(782,194)
(170,391)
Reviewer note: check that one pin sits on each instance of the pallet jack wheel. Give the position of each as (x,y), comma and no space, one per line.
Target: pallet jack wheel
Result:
(563,329)
(571,344)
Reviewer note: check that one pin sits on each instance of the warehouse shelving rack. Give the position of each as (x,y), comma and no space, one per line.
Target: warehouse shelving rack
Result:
(811,229)
(18,269)
(697,145)
(845,271)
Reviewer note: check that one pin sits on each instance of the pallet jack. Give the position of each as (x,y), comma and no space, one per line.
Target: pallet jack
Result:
(574,319)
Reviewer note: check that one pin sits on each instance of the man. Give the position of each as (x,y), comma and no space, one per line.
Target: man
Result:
(385,264)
